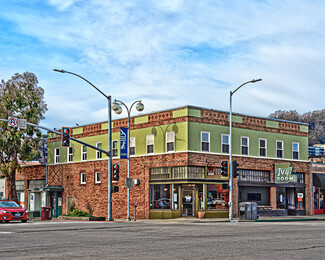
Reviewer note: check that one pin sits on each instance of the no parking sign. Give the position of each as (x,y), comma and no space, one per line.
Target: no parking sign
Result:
(12,121)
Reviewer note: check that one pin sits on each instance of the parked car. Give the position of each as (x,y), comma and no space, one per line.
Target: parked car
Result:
(10,210)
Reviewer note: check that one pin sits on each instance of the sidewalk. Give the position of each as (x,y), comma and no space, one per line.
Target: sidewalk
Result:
(207,220)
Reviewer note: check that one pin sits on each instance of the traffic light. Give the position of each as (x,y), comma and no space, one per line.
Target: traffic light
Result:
(224,169)
(65,137)
(116,171)
(235,170)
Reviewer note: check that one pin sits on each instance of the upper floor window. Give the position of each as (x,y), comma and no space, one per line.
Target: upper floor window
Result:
(150,144)
(279,149)
(262,145)
(295,151)
(97,177)
(115,148)
(84,153)
(83,178)
(244,145)
(56,155)
(99,153)
(225,143)
(170,141)
(205,141)
(132,146)
(70,154)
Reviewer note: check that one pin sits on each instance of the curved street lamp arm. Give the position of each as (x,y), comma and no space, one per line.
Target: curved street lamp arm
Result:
(64,71)
(251,81)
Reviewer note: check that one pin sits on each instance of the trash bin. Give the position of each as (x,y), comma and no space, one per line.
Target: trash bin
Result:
(46,213)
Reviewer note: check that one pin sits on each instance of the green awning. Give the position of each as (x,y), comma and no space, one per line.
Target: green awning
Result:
(54,188)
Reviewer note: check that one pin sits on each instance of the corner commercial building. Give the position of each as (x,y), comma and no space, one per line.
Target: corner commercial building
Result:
(176,157)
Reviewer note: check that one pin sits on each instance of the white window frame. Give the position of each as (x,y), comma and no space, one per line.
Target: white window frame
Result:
(83,153)
(205,142)
(276,148)
(96,177)
(259,147)
(56,155)
(170,135)
(115,149)
(82,178)
(150,143)
(70,155)
(222,143)
(132,145)
(293,143)
(99,154)
(241,145)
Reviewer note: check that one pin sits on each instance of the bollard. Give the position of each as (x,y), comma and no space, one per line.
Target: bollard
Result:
(135,211)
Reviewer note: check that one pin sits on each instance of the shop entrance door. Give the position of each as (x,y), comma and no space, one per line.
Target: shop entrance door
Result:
(188,200)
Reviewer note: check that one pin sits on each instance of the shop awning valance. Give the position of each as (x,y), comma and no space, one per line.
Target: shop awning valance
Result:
(319,179)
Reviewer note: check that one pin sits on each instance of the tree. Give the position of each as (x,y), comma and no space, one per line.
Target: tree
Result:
(21,97)
(315,119)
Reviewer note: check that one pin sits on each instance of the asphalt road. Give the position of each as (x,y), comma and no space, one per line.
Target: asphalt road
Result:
(135,240)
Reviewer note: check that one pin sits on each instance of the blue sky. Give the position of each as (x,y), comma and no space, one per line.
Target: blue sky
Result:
(168,53)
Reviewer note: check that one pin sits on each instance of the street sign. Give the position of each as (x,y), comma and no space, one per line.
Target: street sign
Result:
(12,121)
(129,183)
(124,143)
(22,123)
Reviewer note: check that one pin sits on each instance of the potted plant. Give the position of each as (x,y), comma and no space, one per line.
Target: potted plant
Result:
(201,213)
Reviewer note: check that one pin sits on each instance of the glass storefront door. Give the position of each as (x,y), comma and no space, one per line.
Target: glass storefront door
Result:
(188,199)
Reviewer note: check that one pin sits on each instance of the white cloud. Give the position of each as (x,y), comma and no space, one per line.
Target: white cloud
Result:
(174,53)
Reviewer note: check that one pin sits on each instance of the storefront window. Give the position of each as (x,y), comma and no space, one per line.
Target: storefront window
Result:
(160,196)
(319,198)
(201,197)
(175,196)
(300,195)
(217,197)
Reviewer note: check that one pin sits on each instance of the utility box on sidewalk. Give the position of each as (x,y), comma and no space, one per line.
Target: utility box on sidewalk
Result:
(253,210)
(248,210)
(46,213)
(244,210)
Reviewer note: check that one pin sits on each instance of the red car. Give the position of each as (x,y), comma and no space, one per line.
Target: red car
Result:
(10,210)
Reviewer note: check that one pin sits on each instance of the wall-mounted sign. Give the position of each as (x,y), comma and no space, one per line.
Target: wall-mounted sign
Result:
(124,142)
(211,170)
(284,173)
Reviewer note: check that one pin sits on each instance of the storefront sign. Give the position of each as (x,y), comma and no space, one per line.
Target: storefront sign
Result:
(284,174)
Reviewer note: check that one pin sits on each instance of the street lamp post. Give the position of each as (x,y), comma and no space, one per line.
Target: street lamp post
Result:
(230,147)
(109,208)
(116,106)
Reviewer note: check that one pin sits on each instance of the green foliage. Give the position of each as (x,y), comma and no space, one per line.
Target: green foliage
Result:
(315,119)
(79,213)
(23,98)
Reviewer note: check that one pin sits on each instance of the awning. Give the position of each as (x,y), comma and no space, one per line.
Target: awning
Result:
(54,188)
(319,179)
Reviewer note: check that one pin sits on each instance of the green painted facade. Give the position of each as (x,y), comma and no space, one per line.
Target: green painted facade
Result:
(188,138)
(216,132)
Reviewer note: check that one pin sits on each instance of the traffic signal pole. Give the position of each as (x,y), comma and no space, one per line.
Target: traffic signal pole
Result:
(58,133)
